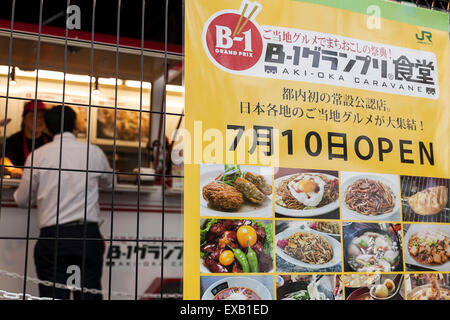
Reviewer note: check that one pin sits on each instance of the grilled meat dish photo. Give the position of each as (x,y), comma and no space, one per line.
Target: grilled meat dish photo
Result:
(236,246)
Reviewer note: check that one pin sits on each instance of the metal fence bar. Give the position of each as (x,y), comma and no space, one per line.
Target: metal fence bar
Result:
(60,170)
(91,70)
(96,171)
(41,5)
(440,5)
(95,239)
(2,170)
(97,106)
(58,196)
(119,2)
(97,45)
(163,189)
(141,75)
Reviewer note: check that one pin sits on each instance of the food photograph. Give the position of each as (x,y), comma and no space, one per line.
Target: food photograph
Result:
(372,197)
(127,124)
(331,228)
(374,286)
(236,246)
(425,199)
(235,191)
(428,286)
(82,119)
(309,287)
(236,288)
(372,247)
(301,249)
(427,247)
(357,280)
(304,193)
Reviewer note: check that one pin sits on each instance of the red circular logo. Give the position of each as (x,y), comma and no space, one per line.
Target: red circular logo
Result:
(234,46)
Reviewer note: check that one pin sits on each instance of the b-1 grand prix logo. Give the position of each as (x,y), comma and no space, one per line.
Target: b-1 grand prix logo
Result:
(232,38)
(235,43)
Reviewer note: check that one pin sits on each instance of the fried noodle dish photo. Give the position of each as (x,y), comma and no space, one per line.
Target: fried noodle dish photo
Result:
(369,197)
(307,247)
(327,227)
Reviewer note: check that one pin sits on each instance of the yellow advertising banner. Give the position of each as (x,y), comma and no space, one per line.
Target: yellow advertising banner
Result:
(316,142)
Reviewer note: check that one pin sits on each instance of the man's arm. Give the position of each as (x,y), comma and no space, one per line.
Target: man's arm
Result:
(22,193)
(106,179)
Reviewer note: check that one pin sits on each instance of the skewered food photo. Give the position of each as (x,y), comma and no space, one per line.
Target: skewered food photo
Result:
(236,246)
(425,199)
(372,197)
(306,193)
(235,191)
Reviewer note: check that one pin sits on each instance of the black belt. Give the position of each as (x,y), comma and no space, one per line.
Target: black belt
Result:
(72,223)
(77,223)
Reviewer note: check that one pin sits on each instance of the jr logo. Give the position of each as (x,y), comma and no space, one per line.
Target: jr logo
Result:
(425,34)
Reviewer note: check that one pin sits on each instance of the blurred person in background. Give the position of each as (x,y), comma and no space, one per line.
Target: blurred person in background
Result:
(72,220)
(20,144)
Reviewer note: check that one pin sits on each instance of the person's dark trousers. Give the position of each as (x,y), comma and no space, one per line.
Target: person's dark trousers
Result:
(70,253)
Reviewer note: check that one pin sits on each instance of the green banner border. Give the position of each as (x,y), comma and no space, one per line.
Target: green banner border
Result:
(405,12)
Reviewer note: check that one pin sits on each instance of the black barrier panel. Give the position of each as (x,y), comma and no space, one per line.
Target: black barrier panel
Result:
(112,63)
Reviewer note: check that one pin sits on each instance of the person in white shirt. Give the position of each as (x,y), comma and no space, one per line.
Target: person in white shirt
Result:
(68,220)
